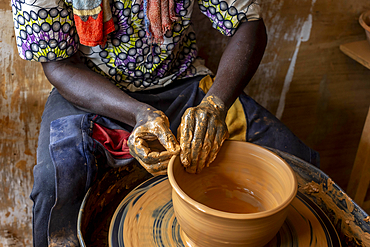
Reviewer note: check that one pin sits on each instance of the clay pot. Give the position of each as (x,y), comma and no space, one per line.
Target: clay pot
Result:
(365,23)
(240,200)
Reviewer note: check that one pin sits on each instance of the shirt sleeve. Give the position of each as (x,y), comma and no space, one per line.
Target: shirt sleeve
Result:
(226,15)
(44,30)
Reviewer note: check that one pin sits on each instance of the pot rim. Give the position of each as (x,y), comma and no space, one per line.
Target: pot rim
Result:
(239,216)
(362,22)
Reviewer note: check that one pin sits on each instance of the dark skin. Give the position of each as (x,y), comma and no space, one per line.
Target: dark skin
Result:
(89,90)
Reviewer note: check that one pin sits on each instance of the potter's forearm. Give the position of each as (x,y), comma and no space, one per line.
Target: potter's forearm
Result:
(239,61)
(87,89)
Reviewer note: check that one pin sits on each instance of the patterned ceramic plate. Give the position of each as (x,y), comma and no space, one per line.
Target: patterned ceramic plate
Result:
(146,218)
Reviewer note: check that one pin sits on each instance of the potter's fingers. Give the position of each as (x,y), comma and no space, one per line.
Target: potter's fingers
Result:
(186,135)
(138,146)
(154,142)
(167,139)
(151,155)
(201,126)
(159,168)
(200,129)
(207,144)
(202,158)
(155,157)
(220,136)
(141,152)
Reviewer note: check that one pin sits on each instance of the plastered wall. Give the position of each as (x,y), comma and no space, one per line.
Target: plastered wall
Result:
(23,91)
(304,79)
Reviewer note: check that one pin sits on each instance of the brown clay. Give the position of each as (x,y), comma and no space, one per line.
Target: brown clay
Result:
(201,133)
(152,142)
(260,184)
(365,23)
(155,146)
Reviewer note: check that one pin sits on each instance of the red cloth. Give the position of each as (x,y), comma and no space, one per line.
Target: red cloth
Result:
(161,14)
(115,141)
(93,26)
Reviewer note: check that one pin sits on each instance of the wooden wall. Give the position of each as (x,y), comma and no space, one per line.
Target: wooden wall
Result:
(320,93)
(306,81)
(330,93)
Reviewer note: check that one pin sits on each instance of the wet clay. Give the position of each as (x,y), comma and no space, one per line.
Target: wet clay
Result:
(343,216)
(367,219)
(152,142)
(201,133)
(155,146)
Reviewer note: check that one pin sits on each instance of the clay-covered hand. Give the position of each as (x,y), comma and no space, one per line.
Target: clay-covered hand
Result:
(152,143)
(201,133)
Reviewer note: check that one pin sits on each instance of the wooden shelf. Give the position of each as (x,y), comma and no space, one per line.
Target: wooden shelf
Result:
(359,51)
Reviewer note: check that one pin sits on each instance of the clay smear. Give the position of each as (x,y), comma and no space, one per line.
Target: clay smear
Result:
(201,133)
(342,216)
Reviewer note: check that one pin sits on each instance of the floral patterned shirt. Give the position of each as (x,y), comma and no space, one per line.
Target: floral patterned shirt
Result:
(45,31)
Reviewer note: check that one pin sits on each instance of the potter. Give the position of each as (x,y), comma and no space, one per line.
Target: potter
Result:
(124,81)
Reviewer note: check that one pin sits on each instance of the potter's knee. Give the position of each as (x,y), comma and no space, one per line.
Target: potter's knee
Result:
(44,182)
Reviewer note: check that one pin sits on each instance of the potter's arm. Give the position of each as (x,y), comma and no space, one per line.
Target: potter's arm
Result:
(203,128)
(87,89)
(239,61)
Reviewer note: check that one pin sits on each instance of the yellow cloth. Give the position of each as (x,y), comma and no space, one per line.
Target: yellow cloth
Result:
(235,118)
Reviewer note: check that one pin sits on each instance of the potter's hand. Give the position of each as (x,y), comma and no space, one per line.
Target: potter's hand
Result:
(152,142)
(201,133)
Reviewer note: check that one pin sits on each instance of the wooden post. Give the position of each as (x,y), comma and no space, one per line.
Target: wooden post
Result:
(360,175)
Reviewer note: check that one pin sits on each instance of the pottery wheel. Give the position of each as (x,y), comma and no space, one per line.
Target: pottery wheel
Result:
(146,217)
